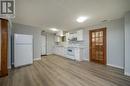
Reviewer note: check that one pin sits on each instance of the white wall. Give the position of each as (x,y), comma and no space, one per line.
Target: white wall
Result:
(36,32)
(127,44)
(115,42)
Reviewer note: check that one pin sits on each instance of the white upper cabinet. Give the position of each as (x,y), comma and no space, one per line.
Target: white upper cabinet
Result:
(75,36)
(57,39)
(60,33)
(67,36)
(80,35)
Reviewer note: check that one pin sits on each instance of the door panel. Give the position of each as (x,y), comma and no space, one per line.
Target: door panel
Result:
(43,45)
(98,45)
(4,46)
(21,57)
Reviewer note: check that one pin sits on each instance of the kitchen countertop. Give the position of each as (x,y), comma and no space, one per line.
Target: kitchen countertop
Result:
(74,46)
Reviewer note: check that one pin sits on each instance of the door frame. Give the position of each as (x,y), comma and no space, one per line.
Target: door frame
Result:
(104,42)
(45,45)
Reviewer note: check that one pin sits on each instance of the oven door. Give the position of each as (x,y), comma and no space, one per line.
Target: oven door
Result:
(70,51)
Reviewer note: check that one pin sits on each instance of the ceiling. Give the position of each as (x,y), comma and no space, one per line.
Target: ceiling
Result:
(62,14)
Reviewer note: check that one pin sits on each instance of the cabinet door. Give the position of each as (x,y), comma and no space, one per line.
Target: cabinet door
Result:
(60,33)
(80,35)
(57,39)
(59,50)
(70,36)
(67,37)
(56,50)
(62,51)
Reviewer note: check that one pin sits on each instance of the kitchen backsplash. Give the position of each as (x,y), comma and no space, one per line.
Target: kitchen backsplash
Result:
(77,42)
(71,43)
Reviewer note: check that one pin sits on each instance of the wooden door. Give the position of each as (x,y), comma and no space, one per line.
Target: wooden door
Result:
(4,46)
(97,40)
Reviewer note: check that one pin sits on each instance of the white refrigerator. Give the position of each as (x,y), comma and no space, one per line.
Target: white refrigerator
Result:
(23,50)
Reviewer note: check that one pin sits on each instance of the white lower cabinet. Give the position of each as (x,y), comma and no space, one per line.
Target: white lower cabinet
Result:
(62,51)
(59,50)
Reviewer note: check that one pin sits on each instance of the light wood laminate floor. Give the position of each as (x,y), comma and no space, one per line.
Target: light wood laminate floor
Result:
(58,71)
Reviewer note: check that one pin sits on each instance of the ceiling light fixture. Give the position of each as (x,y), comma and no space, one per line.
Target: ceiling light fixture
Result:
(81,19)
(54,29)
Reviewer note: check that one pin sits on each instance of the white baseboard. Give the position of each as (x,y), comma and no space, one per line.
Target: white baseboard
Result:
(49,53)
(127,74)
(35,59)
(9,67)
(115,66)
(86,59)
